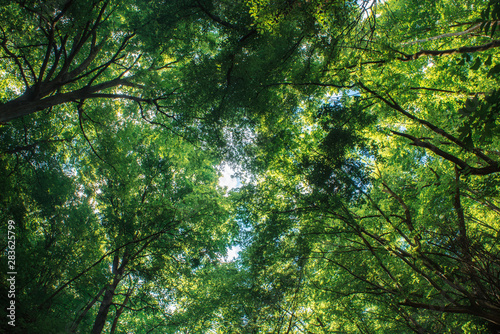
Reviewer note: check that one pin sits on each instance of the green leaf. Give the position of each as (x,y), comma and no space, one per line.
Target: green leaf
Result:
(476,65)
(495,15)
(488,61)
(494,27)
(495,70)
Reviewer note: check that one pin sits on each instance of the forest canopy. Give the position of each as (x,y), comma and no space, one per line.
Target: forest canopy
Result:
(364,137)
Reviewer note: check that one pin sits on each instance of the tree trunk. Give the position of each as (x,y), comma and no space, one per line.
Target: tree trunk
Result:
(84,312)
(119,313)
(107,301)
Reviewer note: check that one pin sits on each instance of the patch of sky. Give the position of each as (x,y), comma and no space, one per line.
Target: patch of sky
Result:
(228,179)
(232,254)
(337,97)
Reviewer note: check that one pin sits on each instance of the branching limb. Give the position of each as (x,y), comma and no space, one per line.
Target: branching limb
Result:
(163,231)
(461,50)
(451,34)
(408,219)
(465,167)
(493,165)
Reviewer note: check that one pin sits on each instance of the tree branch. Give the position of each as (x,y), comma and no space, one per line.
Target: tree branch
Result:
(99,261)
(394,105)
(465,167)
(463,49)
(451,34)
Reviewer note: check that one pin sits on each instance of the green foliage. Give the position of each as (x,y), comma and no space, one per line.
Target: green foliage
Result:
(490,17)
(365,136)
(482,116)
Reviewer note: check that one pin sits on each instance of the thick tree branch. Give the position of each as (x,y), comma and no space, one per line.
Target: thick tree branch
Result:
(216,18)
(408,219)
(461,50)
(465,167)
(84,312)
(23,106)
(451,34)
(490,316)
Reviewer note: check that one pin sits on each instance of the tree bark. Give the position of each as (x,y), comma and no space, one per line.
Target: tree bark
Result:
(119,313)
(24,105)
(106,303)
(492,316)
(464,49)
(118,270)
(84,312)
(451,34)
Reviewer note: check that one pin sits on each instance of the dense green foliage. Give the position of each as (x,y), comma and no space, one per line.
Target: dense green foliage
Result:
(365,136)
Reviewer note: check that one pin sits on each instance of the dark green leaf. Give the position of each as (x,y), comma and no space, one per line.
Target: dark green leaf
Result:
(495,70)
(488,61)
(476,64)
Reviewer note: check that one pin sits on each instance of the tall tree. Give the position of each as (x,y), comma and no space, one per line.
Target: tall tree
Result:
(396,248)
(137,209)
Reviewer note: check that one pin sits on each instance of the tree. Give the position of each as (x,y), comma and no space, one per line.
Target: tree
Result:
(131,212)
(54,55)
(409,239)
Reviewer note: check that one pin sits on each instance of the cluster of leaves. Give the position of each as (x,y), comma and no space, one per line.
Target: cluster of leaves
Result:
(490,17)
